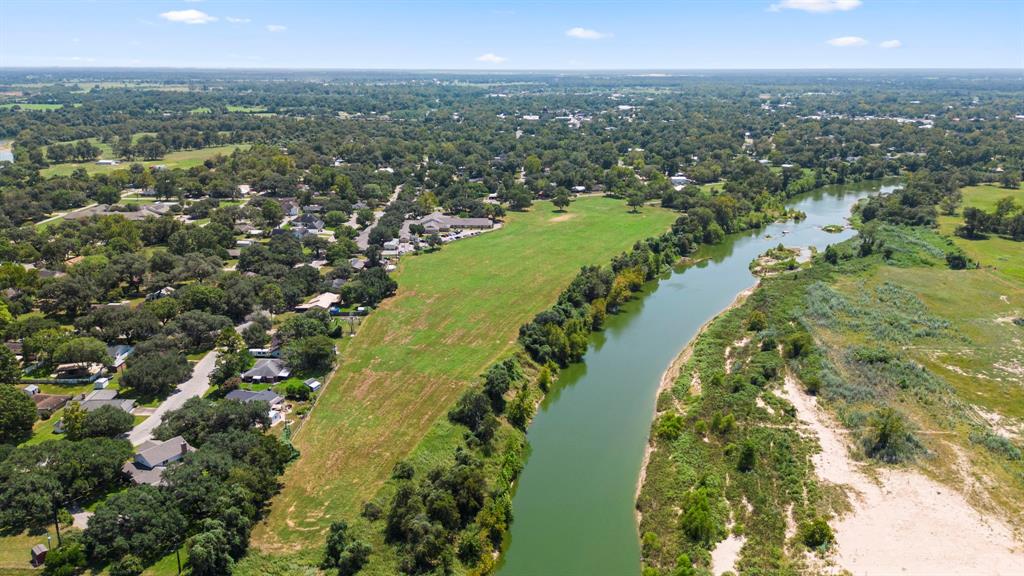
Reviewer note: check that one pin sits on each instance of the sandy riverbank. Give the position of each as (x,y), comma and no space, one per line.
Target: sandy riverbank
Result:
(902,522)
(669,377)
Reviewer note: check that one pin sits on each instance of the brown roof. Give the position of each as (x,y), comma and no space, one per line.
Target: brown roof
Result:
(50,401)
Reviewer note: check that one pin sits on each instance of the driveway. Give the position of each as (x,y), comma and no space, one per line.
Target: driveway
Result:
(197,385)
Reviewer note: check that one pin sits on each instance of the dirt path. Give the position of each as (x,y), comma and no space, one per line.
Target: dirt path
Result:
(903,522)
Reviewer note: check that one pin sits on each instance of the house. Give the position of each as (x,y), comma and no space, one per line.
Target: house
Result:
(679,180)
(314,208)
(266,370)
(16,348)
(119,353)
(161,293)
(30,390)
(290,207)
(437,223)
(391,244)
(98,394)
(247,396)
(152,459)
(313,384)
(356,263)
(163,453)
(101,383)
(79,371)
(153,210)
(107,162)
(310,221)
(98,398)
(47,404)
(301,231)
(324,300)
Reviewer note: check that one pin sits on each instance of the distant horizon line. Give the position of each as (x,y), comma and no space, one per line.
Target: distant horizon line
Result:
(518,70)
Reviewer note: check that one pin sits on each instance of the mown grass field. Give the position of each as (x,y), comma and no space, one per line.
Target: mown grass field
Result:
(181,159)
(36,107)
(456,312)
(1005,255)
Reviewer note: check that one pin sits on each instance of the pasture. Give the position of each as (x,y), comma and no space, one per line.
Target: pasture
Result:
(1006,256)
(456,312)
(182,159)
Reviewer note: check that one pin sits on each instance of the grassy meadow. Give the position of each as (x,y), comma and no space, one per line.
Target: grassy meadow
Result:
(181,159)
(1006,256)
(455,313)
(906,332)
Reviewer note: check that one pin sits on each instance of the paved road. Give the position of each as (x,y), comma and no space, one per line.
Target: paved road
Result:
(197,385)
(363,239)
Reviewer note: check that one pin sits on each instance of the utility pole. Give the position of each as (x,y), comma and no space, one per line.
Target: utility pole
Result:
(56,524)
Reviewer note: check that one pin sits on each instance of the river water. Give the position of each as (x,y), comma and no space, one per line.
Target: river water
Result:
(573,510)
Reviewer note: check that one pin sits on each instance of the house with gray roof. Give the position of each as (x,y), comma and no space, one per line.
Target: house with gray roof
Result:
(267,370)
(246,396)
(437,223)
(153,457)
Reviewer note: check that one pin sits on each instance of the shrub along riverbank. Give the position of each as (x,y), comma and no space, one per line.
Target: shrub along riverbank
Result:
(455,516)
(729,460)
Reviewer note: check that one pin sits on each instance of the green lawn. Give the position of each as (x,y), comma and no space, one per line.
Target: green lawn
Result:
(23,106)
(456,312)
(1005,255)
(180,159)
(247,109)
(15,552)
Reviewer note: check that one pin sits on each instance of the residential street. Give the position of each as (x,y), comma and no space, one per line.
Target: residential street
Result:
(197,385)
(363,240)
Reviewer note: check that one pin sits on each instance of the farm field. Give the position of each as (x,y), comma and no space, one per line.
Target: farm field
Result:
(456,311)
(182,159)
(1006,256)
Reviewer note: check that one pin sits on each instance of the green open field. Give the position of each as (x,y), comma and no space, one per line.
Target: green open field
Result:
(106,151)
(182,159)
(455,313)
(1005,255)
(10,105)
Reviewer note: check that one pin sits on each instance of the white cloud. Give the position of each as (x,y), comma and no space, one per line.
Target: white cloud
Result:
(276,28)
(491,58)
(234,20)
(891,44)
(190,16)
(847,41)
(586,34)
(816,6)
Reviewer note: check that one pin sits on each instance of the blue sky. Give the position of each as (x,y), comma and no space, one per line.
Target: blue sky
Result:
(572,34)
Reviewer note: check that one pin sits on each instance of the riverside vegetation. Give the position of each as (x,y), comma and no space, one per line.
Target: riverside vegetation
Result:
(922,374)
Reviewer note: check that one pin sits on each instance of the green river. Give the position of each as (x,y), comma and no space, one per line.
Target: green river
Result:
(573,508)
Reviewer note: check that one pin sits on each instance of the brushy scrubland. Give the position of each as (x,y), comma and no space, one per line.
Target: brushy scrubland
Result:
(890,358)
